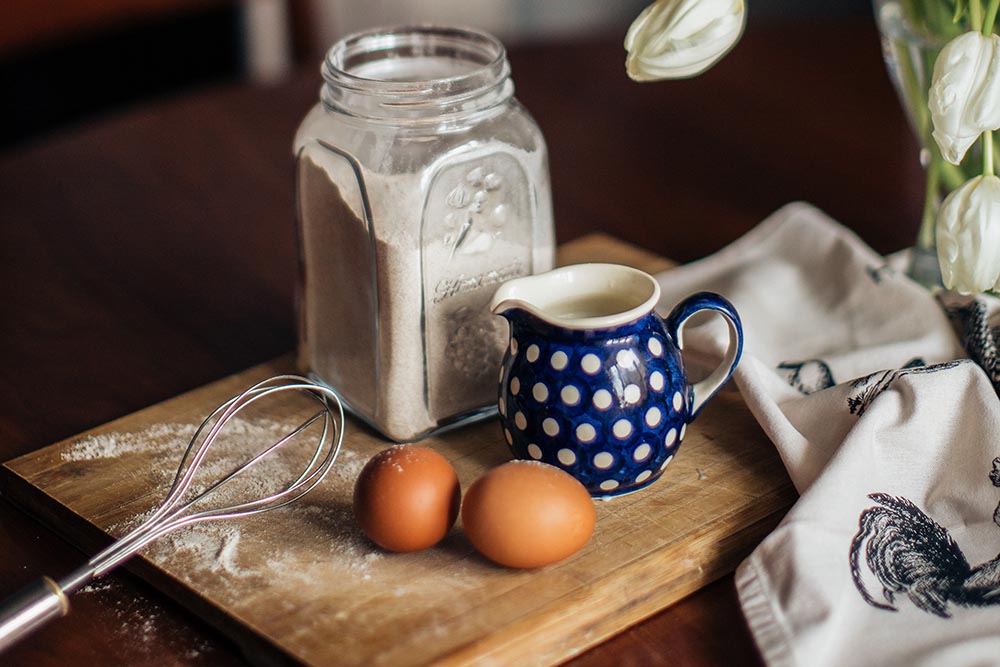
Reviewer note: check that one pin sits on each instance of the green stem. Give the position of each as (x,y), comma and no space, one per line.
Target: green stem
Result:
(988,153)
(976,14)
(928,230)
(991,16)
(951,175)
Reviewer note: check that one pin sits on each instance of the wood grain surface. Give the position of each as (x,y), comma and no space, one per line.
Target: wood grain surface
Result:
(151,252)
(322,594)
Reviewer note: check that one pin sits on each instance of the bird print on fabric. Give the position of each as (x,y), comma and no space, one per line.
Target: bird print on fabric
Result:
(911,554)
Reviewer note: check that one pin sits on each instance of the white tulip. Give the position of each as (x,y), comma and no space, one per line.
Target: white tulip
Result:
(968,236)
(674,39)
(965,93)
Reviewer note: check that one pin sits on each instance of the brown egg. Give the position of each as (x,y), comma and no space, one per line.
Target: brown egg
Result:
(406,498)
(527,514)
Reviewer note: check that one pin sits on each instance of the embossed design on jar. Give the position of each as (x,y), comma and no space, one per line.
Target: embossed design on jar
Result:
(457,198)
(468,211)
(473,343)
(476,226)
(449,287)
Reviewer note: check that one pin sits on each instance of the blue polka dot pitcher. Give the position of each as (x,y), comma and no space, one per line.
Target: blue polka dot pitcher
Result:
(593,380)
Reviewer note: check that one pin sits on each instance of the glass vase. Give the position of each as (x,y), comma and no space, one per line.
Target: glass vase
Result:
(913,32)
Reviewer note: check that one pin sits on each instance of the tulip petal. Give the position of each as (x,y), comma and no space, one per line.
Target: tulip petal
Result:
(964,98)
(968,236)
(673,39)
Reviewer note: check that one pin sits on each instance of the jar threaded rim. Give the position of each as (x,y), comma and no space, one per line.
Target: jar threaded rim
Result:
(416,71)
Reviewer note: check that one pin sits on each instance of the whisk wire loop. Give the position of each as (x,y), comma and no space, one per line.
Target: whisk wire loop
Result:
(171,515)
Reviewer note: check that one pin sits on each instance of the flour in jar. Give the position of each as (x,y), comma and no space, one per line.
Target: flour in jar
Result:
(409,341)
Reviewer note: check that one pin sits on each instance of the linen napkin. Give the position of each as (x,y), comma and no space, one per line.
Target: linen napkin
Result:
(890,433)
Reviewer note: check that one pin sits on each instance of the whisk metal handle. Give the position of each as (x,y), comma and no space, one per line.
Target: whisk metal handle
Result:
(29,609)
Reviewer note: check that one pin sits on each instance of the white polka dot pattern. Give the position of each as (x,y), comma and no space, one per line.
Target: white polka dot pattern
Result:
(603,460)
(626,358)
(540,392)
(586,433)
(559,360)
(570,395)
(610,412)
(602,399)
(622,429)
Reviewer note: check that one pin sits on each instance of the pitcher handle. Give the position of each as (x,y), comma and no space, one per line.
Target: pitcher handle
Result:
(707,388)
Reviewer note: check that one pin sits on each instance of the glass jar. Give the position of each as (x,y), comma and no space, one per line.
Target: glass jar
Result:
(421,185)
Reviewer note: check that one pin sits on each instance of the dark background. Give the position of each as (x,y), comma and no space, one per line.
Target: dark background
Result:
(54,78)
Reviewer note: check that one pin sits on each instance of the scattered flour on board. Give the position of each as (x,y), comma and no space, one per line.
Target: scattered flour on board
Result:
(310,548)
(157,439)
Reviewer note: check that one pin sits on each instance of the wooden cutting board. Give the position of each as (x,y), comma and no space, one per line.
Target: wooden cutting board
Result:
(303,583)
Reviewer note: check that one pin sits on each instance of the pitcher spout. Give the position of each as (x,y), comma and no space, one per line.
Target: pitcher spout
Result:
(514,295)
(581,296)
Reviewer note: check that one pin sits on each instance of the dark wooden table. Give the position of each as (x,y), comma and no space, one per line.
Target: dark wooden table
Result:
(154,251)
